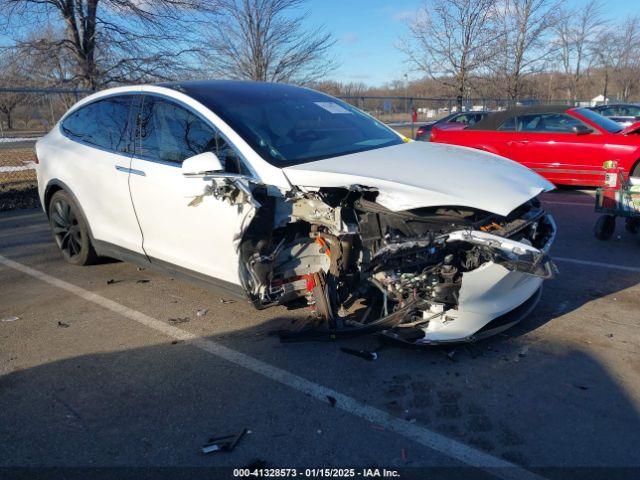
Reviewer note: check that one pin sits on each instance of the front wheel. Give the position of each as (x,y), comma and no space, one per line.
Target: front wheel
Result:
(70,230)
(605,226)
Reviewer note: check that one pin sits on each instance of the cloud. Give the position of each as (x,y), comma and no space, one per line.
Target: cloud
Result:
(349,38)
(403,15)
(397,15)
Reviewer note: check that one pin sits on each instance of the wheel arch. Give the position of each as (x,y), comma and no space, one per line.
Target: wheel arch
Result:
(56,185)
(635,166)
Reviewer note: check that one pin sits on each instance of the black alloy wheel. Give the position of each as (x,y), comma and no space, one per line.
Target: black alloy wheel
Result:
(70,230)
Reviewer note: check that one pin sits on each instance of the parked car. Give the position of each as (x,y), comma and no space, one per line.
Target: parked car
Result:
(464,118)
(279,193)
(565,145)
(623,113)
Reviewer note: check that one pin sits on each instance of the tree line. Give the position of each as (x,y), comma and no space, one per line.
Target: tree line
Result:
(456,49)
(524,49)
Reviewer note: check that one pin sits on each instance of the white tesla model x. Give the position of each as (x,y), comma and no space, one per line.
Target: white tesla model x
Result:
(281,193)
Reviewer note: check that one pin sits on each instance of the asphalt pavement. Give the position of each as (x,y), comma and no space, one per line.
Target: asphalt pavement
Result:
(110,367)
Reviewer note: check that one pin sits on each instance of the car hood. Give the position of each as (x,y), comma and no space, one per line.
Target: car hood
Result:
(418,174)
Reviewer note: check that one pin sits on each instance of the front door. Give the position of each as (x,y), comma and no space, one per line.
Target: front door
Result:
(179,225)
(547,144)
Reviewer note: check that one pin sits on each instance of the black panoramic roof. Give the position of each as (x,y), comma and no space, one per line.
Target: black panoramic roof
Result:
(495,119)
(220,89)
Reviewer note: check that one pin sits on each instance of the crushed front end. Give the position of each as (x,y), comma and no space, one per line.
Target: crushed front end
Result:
(422,276)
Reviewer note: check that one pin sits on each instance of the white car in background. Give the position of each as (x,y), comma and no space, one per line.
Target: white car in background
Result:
(279,193)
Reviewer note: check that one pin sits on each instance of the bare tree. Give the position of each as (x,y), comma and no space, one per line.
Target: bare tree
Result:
(11,76)
(524,45)
(627,59)
(266,40)
(605,52)
(106,41)
(576,33)
(451,40)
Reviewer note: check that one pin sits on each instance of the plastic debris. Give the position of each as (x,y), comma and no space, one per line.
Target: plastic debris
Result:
(223,444)
(10,318)
(111,281)
(63,324)
(178,320)
(225,301)
(332,401)
(143,280)
(202,312)
(371,356)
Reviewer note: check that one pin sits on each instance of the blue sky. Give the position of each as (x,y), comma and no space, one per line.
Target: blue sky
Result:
(368,30)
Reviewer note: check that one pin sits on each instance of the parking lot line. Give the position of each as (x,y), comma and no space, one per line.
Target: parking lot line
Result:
(428,438)
(612,266)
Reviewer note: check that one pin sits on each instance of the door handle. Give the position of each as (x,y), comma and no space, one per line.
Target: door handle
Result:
(130,170)
(519,142)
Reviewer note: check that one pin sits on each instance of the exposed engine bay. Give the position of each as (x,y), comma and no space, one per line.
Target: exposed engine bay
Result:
(361,267)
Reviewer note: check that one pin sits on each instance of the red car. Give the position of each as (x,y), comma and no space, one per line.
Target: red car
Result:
(565,145)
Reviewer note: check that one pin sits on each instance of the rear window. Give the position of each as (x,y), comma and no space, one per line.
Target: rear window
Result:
(104,124)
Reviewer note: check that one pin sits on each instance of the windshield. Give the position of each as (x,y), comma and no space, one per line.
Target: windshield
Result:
(289,125)
(603,122)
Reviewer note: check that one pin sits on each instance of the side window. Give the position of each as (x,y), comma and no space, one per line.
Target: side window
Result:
(170,133)
(104,123)
(508,125)
(548,122)
(633,111)
(460,119)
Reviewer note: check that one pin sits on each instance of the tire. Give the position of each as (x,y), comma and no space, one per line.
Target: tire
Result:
(605,226)
(70,230)
(632,225)
(636,171)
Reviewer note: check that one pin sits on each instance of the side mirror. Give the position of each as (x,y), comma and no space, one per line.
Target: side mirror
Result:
(201,164)
(581,130)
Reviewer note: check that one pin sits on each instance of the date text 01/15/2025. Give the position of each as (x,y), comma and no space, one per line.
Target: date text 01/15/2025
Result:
(316,473)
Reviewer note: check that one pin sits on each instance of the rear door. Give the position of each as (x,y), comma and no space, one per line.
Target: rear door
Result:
(97,169)
(180,226)
(547,144)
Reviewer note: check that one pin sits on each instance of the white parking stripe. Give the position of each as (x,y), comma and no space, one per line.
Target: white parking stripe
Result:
(440,443)
(598,264)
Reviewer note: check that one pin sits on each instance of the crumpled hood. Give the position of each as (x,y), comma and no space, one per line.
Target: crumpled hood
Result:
(420,174)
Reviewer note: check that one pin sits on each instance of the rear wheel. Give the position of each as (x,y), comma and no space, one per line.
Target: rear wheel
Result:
(636,170)
(70,230)
(605,226)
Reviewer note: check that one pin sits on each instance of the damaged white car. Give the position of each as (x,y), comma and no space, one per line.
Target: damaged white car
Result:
(283,194)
